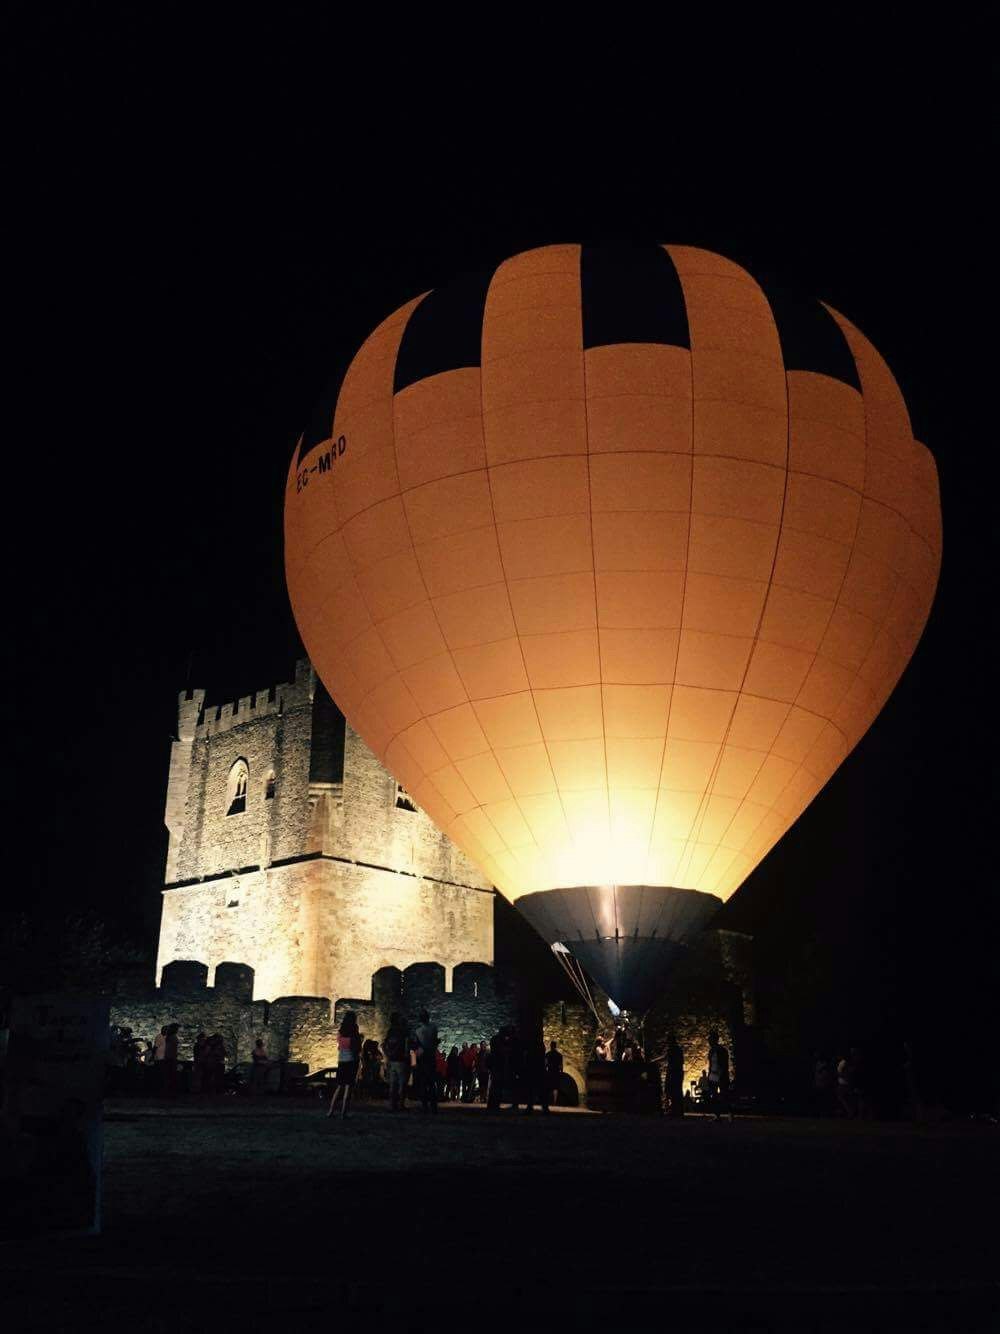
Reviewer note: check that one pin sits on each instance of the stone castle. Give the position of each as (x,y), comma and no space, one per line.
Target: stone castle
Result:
(301,880)
(293,851)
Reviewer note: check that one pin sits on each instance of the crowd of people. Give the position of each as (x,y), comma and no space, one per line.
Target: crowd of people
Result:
(511,1068)
(413,1064)
(153,1064)
(869,1082)
(711,1092)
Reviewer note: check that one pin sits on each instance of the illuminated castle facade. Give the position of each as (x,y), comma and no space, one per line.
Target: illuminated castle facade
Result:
(292,850)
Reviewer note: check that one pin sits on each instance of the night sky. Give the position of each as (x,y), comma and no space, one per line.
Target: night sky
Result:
(208,219)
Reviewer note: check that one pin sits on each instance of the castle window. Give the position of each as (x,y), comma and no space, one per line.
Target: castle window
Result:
(403,802)
(269,783)
(236,788)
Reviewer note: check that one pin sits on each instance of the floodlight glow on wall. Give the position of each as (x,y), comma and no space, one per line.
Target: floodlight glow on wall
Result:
(612,556)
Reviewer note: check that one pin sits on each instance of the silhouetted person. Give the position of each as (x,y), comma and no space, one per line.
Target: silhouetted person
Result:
(170,1045)
(516,1065)
(468,1057)
(454,1069)
(675,1076)
(483,1070)
(553,1071)
(215,1064)
(503,1068)
(259,1063)
(370,1063)
(348,1060)
(846,1092)
(427,1050)
(618,1043)
(394,1047)
(824,1084)
(199,1081)
(534,1077)
(718,1077)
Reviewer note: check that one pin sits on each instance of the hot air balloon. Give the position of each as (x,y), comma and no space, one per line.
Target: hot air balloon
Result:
(611,555)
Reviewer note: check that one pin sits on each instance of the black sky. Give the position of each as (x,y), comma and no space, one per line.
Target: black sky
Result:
(209,210)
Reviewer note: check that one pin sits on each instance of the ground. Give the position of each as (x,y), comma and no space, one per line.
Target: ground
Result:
(265,1214)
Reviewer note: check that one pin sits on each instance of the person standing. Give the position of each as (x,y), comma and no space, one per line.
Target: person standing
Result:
(260,1062)
(846,1092)
(348,1060)
(718,1077)
(397,1061)
(199,1078)
(535,1076)
(515,1065)
(216,1064)
(483,1070)
(454,1069)
(468,1055)
(427,1050)
(500,1067)
(675,1076)
(170,1045)
(824,1084)
(553,1071)
(618,1042)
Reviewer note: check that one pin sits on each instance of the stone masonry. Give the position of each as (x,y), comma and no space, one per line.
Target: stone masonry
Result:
(323,873)
(304,1028)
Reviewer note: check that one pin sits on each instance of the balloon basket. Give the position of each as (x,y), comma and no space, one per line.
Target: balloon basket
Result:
(624,1088)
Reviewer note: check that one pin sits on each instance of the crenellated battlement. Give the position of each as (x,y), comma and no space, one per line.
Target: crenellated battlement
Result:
(211,719)
(304,1028)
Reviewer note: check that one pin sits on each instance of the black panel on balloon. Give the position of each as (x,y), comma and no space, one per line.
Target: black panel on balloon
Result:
(443,333)
(631,294)
(628,937)
(633,972)
(811,339)
(321,419)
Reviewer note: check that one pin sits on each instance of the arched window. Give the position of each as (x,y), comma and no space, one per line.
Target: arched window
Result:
(236,788)
(269,782)
(403,800)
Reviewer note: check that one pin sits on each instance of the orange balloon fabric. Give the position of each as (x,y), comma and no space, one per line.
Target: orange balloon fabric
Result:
(612,563)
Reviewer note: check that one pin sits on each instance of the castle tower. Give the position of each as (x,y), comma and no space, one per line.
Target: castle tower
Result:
(292,850)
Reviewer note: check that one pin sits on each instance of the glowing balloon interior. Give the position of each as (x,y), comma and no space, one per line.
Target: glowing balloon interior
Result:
(612,557)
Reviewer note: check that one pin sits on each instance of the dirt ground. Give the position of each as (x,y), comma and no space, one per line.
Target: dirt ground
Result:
(266,1215)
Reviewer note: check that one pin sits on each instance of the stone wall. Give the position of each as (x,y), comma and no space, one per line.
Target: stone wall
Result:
(322,927)
(573,1028)
(325,883)
(710,989)
(185,998)
(272,732)
(379,832)
(304,1028)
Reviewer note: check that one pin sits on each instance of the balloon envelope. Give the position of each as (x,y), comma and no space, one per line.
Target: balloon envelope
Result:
(612,557)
